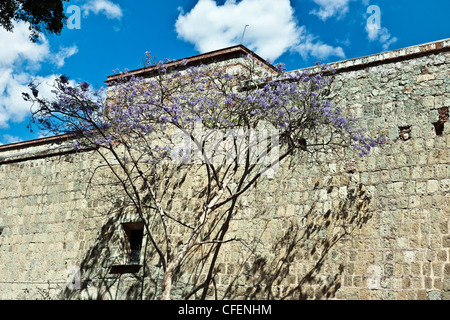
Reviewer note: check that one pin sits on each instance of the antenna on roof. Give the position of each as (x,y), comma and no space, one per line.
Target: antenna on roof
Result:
(243,33)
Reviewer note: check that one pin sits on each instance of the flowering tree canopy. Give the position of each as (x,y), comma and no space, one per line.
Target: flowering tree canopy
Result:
(236,123)
(294,103)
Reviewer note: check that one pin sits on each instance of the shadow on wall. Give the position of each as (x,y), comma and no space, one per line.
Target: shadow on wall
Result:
(96,279)
(304,250)
(114,268)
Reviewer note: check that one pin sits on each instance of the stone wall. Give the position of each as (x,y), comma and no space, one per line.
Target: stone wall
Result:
(336,228)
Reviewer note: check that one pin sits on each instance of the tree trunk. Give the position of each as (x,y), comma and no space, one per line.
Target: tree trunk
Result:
(167,285)
(174,264)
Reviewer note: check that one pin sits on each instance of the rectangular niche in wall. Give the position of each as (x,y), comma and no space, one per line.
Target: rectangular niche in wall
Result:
(443,118)
(404,133)
(135,233)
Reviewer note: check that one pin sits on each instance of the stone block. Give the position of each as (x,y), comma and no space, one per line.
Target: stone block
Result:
(434,116)
(432,186)
(446,285)
(434,295)
(444,185)
(428,102)
(446,295)
(446,243)
(425,77)
(446,270)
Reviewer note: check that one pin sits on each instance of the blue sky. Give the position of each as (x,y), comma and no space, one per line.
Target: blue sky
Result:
(116,34)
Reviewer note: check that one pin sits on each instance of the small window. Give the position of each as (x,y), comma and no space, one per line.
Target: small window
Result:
(443,118)
(135,233)
(133,246)
(439,128)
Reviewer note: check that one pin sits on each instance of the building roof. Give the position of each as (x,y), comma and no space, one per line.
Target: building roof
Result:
(204,58)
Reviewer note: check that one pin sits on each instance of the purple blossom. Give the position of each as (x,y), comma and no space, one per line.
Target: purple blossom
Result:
(84,86)
(280,67)
(64,79)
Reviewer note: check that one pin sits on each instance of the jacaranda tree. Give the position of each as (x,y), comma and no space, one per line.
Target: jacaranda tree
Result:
(233,126)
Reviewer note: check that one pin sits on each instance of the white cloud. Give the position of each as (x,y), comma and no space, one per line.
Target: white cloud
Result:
(329,8)
(106,7)
(271,30)
(18,60)
(19,48)
(7,139)
(309,47)
(381,35)
(12,106)
(272,27)
(66,52)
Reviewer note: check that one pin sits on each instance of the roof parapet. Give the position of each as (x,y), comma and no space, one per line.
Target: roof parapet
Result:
(387,57)
(238,50)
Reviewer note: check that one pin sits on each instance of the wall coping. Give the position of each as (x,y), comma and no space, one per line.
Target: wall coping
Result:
(37,149)
(387,57)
